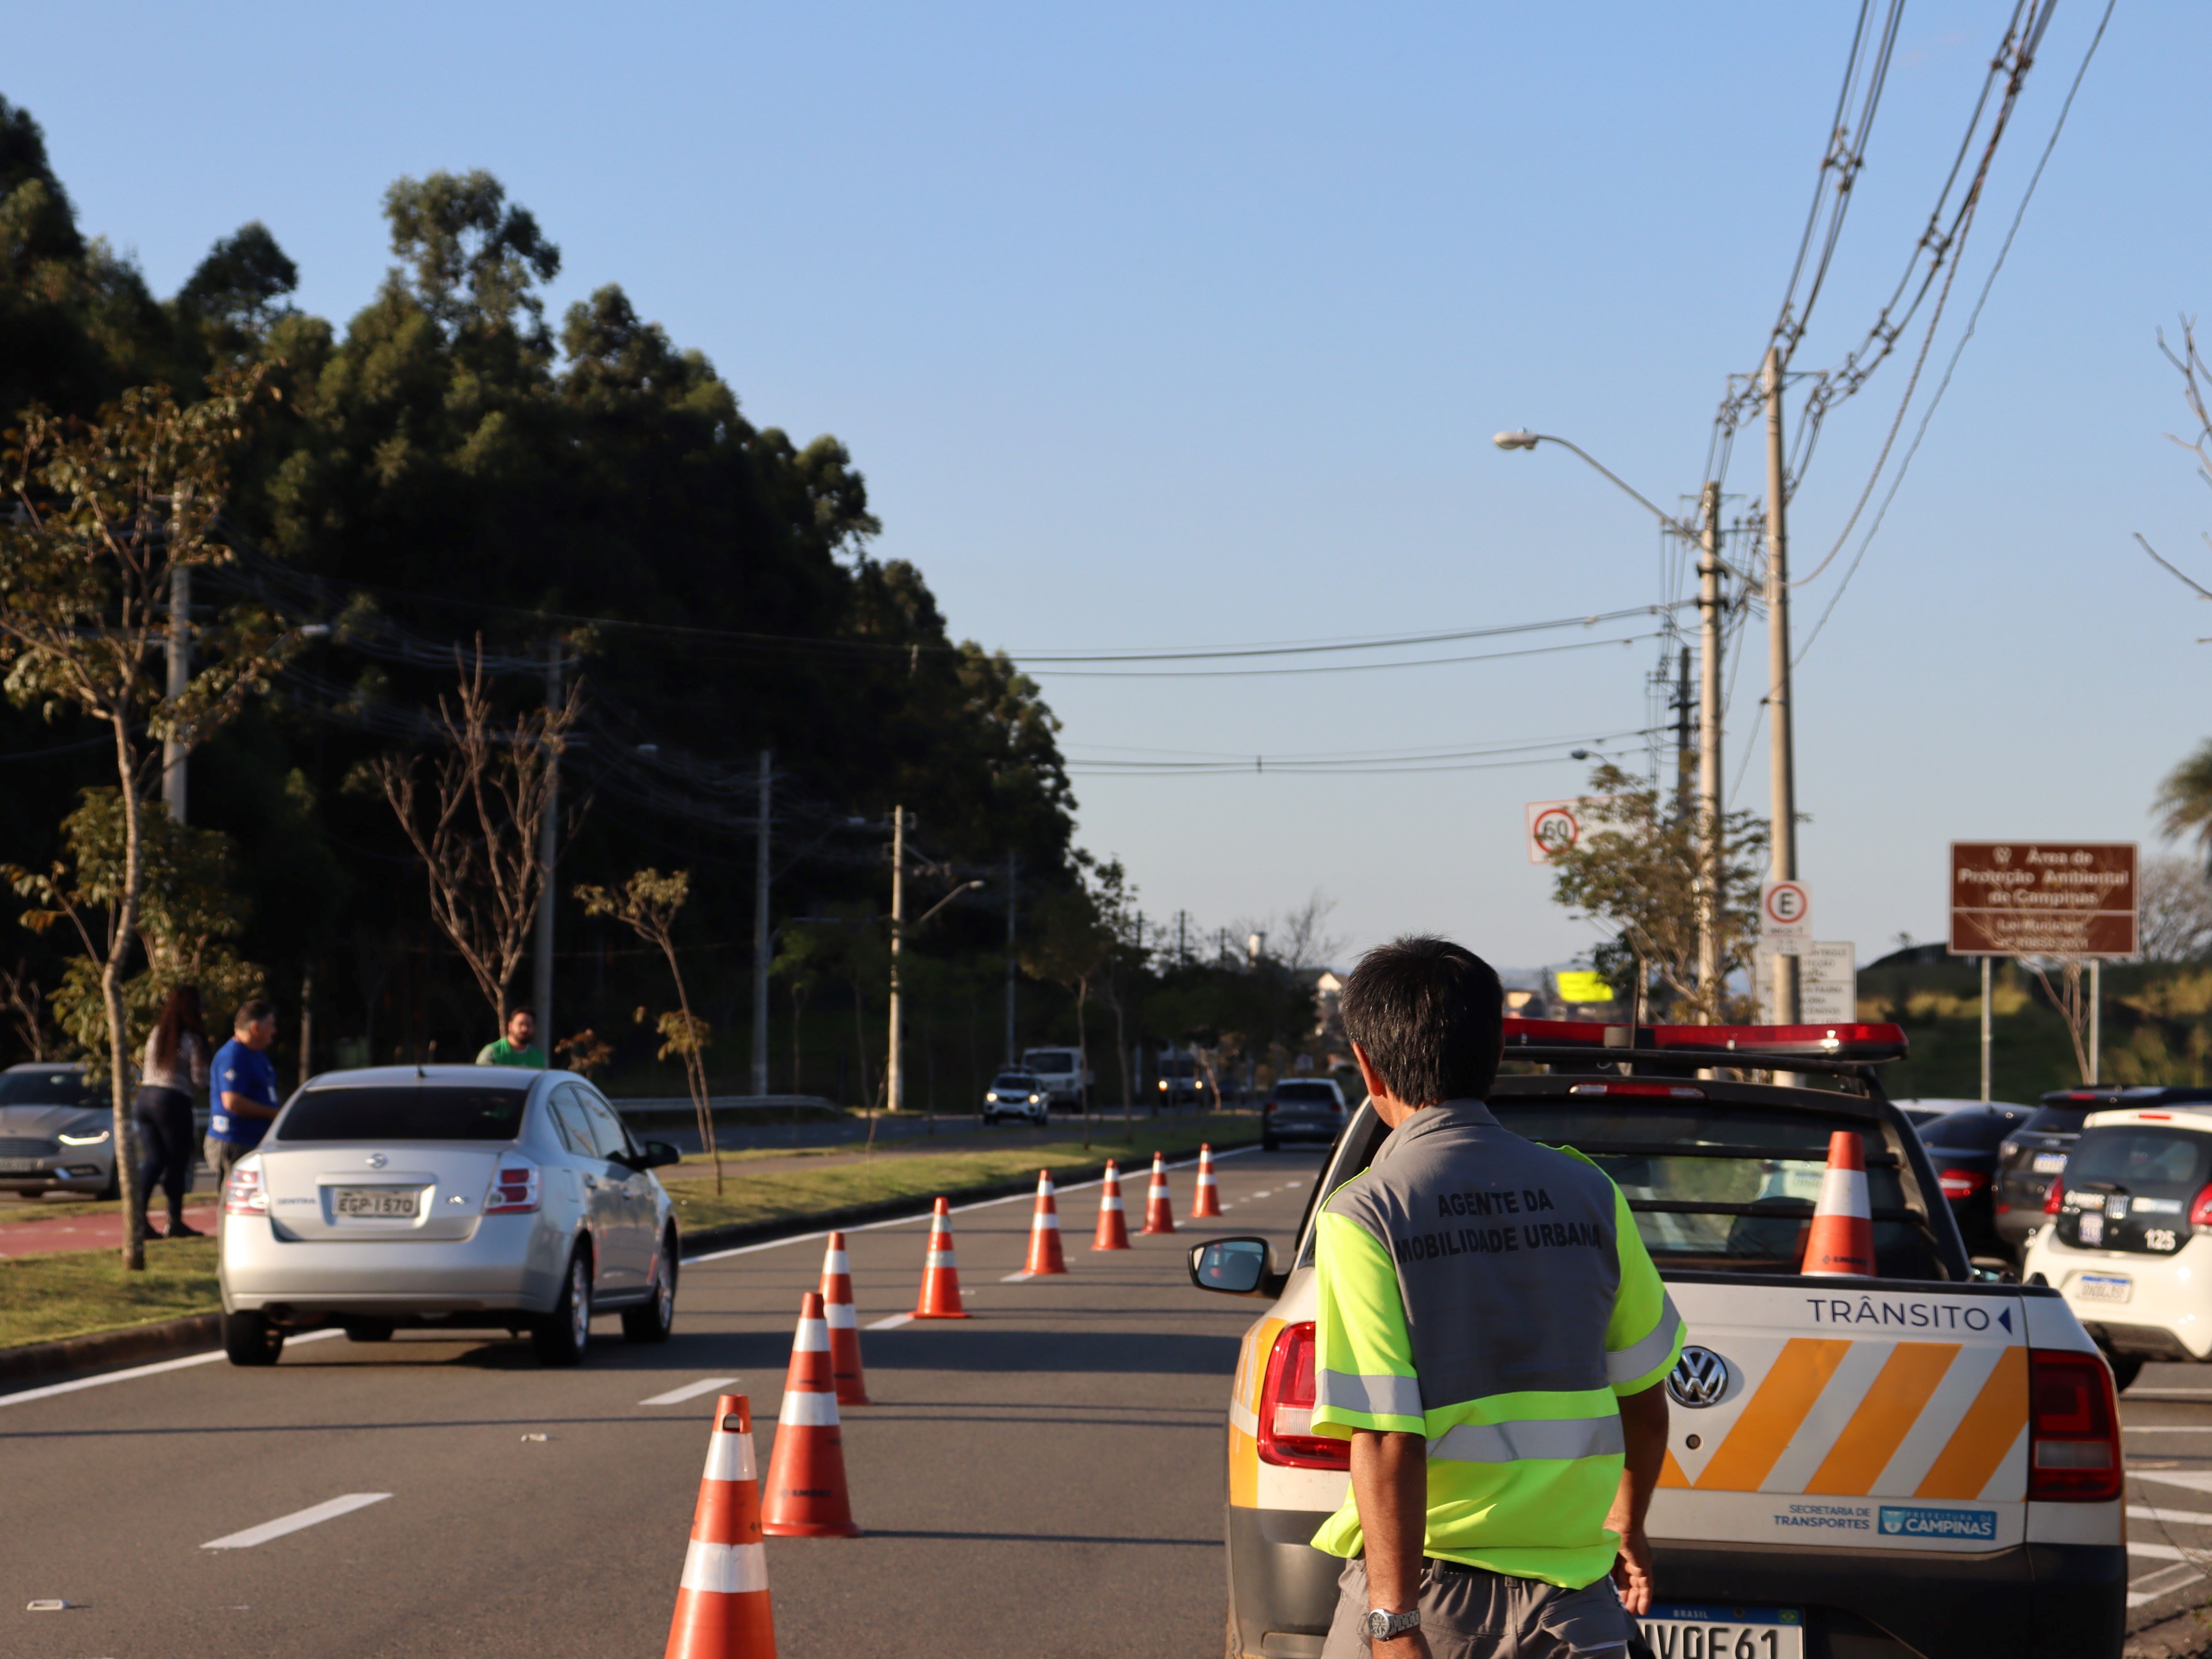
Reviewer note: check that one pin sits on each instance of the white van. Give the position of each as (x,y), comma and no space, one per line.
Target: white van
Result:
(1064,1077)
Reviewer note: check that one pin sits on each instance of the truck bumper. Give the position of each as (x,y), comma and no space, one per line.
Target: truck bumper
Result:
(2032,1601)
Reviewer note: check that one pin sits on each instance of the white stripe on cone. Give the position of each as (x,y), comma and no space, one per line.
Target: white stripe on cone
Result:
(729,1457)
(1844,1192)
(839,1262)
(808,1410)
(840,1317)
(813,1337)
(940,1259)
(1113,1203)
(725,1569)
(1047,1219)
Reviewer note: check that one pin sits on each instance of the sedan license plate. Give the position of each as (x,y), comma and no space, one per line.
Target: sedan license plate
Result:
(2104,1287)
(1722,1632)
(390,1201)
(19,1165)
(2050,1163)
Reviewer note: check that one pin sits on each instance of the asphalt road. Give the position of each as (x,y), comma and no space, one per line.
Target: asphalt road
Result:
(1043,1479)
(2168,1420)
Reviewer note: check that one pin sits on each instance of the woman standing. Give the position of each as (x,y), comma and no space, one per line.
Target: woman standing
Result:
(175,1074)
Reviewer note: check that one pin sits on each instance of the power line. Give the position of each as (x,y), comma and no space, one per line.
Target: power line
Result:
(1326,668)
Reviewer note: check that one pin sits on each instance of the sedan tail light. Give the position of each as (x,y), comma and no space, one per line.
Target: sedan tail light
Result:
(2200,1213)
(2073,1429)
(1286,1403)
(514,1187)
(1961,1184)
(2055,1200)
(243,1193)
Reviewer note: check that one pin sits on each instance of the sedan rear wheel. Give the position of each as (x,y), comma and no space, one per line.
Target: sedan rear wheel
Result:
(249,1339)
(562,1336)
(653,1322)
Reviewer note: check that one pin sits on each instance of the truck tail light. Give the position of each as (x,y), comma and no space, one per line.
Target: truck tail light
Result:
(1286,1403)
(2055,1200)
(514,1187)
(1961,1184)
(243,1193)
(2073,1429)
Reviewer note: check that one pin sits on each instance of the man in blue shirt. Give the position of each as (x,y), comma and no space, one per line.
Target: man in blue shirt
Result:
(242,1086)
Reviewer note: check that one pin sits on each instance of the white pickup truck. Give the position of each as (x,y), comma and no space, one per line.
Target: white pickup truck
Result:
(1063,1073)
(1923,1464)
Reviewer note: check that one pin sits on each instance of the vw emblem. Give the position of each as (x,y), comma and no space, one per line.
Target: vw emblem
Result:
(1700,1378)
(377,1161)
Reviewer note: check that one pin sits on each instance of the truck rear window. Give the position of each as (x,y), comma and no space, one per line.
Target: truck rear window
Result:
(1310,1093)
(404,1114)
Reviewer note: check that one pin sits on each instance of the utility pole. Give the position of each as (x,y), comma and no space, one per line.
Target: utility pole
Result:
(173,747)
(1709,756)
(894,1073)
(549,840)
(762,819)
(1013,957)
(1986,1028)
(1781,764)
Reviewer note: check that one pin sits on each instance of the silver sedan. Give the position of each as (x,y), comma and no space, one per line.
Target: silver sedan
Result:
(447,1197)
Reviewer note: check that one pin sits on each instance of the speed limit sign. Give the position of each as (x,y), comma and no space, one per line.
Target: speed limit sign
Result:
(1785,910)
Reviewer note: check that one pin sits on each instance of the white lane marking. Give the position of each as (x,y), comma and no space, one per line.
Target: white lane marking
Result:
(2164,1552)
(1028,1195)
(890,1324)
(2167,1428)
(294,1523)
(2167,1393)
(2186,1517)
(691,1390)
(2163,1581)
(2193,1480)
(24,1395)
(1015,1278)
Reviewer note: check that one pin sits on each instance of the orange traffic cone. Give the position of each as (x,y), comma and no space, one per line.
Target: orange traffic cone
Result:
(1840,1242)
(844,1324)
(940,1274)
(1044,1231)
(1206,1199)
(806,1496)
(1159,1214)
(1113,1230)
(721,1605)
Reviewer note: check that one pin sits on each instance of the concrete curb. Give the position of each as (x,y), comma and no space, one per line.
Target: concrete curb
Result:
(197,1332)
(100,1349)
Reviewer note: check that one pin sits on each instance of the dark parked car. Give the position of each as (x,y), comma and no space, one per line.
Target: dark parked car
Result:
(1962,1138)
(2035,1154)
(1302,1108)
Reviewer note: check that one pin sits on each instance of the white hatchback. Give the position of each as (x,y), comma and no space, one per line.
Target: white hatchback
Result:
(2128,1236)
(453,1197)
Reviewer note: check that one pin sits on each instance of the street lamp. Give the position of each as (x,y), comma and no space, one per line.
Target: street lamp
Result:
(894,1069)
(1707,535)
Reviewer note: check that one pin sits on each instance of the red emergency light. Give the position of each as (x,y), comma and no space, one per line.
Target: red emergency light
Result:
(1852,1041)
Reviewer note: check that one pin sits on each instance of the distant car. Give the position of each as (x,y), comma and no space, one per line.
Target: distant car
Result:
(452,1197)
(57,1132)
(1017,1094)
(2033,1155)
(1302,1108)
(1066,1081)
(1181,1082)
(1962,1137)
(2129,1242)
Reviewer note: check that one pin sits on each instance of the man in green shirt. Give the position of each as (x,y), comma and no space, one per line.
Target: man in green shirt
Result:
(517,1048)
(1491,1336)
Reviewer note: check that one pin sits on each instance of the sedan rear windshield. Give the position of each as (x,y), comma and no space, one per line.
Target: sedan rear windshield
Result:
(404,1113)
(1968,1131)
(1306,1091)
(2056,1121)
(2141,1161)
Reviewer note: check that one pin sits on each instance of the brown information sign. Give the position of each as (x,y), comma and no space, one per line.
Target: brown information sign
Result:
(2040,898)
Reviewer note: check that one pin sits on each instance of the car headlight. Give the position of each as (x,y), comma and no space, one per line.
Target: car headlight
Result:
(83,1135)
(1035,1098)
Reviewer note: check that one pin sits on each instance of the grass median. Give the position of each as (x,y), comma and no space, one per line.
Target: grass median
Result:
(78,1292)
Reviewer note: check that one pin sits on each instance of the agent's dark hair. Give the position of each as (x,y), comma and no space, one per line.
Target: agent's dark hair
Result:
(181,1013)
(253,1012)
(521,1008)
(1429,1015)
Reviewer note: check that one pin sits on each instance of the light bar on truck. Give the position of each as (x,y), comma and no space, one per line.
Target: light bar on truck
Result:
(1855,1041)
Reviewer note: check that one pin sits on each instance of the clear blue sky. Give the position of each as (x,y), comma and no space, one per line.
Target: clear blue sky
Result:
(1189,326)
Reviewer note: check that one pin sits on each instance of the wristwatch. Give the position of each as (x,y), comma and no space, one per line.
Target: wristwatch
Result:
(1388,1627)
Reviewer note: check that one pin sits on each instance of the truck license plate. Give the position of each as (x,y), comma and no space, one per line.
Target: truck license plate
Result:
(2103,1288)
(1721,1632)
(375,1201)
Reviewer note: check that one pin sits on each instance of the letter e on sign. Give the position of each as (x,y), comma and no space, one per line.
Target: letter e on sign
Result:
(1785,910)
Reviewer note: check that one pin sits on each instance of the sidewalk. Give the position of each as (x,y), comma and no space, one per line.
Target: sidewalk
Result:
(96,1231)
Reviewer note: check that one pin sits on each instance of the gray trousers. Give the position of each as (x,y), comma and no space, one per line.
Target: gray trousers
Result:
(1470,1613)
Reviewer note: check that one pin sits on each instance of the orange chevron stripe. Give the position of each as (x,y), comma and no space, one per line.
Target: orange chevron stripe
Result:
(1892,1405)
(1671,1472)
(1743,1460)
(1992,1423)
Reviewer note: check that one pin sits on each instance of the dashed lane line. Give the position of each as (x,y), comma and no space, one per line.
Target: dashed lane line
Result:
(691,1390)
(890,1324)
(297,1522)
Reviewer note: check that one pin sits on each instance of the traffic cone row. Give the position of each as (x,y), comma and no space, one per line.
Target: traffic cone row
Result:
(1840,1242)
(722,1606)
